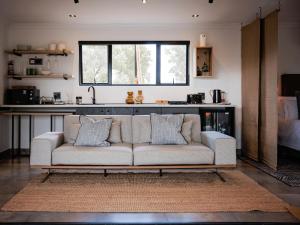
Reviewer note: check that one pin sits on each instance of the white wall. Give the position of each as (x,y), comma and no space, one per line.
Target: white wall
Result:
(289,49)
(4,122)
(225,39)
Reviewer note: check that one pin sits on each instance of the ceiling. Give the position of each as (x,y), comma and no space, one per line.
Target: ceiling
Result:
(134,12)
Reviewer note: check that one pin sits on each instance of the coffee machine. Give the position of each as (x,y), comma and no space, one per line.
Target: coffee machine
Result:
(195,98)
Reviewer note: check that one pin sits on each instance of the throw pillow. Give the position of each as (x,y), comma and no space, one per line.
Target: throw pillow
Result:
(165,130)
(186,131)
(298,103)
(93,133)
(115,132)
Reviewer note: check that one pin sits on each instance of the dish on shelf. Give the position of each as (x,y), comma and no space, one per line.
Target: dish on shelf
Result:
(45,72)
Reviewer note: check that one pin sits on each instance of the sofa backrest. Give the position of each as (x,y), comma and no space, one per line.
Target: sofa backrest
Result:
(141,128)
(72,125)
(134,129)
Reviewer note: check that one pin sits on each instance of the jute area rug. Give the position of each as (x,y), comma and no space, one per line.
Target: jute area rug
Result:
(180,192)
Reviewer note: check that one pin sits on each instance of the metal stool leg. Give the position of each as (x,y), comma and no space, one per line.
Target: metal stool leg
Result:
(51,123)
(12,150)
(19,136)
(30,133)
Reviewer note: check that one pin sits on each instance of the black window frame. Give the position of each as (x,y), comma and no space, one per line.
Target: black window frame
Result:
(158,61)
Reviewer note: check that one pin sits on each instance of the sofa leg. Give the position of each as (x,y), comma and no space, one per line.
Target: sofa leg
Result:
(47,176)
(160,173)
(220,176)
(105,173)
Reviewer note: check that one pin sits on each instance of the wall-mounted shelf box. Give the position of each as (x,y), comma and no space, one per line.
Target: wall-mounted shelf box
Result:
(50,76)
(203,62)
(39,52)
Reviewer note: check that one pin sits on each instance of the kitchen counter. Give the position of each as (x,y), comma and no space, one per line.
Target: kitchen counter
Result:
(117,105)
(213,116)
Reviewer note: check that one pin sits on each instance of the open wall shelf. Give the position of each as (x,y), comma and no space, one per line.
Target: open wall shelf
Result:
(39,52)
(50,76)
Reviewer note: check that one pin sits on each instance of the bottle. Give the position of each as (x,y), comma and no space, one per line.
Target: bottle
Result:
(140,98)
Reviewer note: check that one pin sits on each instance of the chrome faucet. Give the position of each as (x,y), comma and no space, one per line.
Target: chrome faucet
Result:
(93,98)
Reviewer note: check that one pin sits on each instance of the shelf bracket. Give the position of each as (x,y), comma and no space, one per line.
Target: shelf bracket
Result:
(16,53)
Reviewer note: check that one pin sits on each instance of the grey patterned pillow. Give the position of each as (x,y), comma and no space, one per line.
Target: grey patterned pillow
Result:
(93,133)
(165,130)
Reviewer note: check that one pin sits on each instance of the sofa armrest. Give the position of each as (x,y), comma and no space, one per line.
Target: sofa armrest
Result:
(223,145)
(42,147)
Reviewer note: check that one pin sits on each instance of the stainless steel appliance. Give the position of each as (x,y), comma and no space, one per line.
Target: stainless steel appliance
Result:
(216,95)
(22,96)
(195,98)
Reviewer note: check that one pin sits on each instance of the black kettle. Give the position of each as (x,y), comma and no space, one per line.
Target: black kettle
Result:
(216,95)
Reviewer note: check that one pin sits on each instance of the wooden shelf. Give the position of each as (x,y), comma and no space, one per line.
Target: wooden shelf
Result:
(39,52)
(203,62)
(50,76)
(204,76)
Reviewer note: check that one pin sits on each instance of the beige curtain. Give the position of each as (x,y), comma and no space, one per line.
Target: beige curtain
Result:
(259,89)
(268,96)
(250,88)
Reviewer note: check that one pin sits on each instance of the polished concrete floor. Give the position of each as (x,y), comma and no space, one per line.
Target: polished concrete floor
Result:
(14,176)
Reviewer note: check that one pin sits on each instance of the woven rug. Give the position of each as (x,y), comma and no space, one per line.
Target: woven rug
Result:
(288,170)
(180,192)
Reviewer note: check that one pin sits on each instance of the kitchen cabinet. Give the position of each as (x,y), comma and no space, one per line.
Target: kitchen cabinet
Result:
(94,111)
(146,110)
(182,110)
(122,111)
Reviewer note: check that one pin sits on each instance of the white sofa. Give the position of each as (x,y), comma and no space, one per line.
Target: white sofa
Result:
(208,149)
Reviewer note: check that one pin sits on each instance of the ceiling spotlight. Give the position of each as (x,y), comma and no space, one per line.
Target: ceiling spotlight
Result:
(72,15)
(144,1)
(195,15)
(76,1)
(210,1)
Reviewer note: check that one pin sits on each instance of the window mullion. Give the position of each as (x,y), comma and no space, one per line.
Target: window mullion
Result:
(158,63)
(109,64)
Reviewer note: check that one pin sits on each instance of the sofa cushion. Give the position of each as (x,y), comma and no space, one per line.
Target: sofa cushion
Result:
(72,125)
(186,131)
(115,133)
(93,132)
(116,154)
(141,128)
(147,154)
(166,129)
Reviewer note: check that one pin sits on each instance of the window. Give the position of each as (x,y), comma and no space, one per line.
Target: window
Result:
(94,64)
(134,63)
(173,64)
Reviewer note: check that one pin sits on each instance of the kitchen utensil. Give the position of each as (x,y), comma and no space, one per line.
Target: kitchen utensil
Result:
(78,100)
(61,46)
(195,98)
(216,95)
(52,46)
(45,72)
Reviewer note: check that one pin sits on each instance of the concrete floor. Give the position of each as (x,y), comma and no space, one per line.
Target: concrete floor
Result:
(14,176)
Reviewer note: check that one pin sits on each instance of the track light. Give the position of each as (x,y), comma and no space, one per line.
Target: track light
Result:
(210,1)
(144,1)
(76,1)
